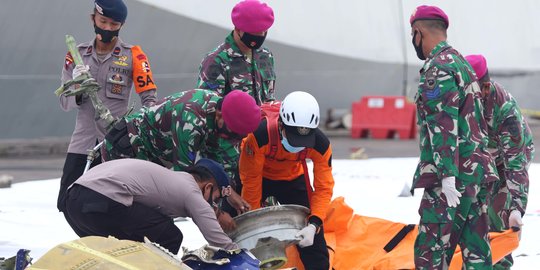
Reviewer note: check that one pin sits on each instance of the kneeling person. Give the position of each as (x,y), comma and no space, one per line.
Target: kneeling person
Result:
(130,199)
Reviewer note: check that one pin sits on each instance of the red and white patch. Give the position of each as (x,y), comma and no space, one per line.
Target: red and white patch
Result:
(68,61)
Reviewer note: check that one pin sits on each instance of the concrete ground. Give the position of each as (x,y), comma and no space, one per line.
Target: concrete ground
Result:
(38,165)
(24,160)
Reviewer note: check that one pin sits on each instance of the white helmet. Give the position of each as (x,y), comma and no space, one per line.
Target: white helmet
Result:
(300,109)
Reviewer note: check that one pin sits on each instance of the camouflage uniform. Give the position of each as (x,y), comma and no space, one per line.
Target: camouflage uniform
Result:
(511,144)
(453,139)
(174,131)
(226,68)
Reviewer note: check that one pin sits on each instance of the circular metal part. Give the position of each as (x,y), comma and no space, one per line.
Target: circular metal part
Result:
(266,232)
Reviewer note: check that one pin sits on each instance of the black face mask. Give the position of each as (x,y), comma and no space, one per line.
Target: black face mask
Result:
(252,41)
(418,49)
(106,35)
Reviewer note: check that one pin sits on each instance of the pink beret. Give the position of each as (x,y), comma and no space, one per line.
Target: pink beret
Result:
(478,63)
(252,16)
(429,13)
(240,112)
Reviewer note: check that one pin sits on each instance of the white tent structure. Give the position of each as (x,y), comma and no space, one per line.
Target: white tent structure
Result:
(507,33)
(337,50)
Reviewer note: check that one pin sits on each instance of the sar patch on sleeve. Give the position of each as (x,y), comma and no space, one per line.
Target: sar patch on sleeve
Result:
(142,73)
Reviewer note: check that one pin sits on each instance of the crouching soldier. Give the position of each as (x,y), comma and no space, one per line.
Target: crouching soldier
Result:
(185,125)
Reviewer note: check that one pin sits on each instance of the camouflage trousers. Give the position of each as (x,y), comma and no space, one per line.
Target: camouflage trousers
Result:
(498,212)
(442,228)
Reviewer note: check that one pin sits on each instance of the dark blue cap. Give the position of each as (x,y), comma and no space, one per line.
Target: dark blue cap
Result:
(216,170)
(114,9)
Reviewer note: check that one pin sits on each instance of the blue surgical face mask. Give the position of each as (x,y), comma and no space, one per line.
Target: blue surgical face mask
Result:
(289,147)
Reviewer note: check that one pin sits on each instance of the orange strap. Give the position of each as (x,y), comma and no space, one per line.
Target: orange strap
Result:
(273,136)
(142,74)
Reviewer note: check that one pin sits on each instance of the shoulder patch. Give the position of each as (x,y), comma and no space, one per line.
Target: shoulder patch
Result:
(431,84)
(433,94)
(142,73)
(116,51)
(431,78)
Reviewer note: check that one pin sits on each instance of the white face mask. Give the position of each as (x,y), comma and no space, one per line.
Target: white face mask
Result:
(289,147)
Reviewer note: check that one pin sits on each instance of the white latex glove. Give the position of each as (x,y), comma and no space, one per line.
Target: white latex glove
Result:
(79,69)
(450,191)
(514,220)
(306,235)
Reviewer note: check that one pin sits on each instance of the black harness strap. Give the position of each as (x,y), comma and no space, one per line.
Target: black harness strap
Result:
(398,237)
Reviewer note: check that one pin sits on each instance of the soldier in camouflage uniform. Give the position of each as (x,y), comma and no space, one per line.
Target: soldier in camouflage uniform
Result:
(184,125)
(511,145)
(240,62)
(455,168)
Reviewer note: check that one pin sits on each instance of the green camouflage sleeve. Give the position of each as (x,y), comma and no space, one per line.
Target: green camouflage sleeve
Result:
(271,95)
(513,149)
(441,95)
(511,137)
(187,145)
(189,129)
(212,75)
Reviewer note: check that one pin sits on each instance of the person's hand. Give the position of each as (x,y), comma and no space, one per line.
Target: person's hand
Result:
(80,99)
(78,70)
(226,221)
(306,235)
(238,203)
(514,220)
(450,191)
